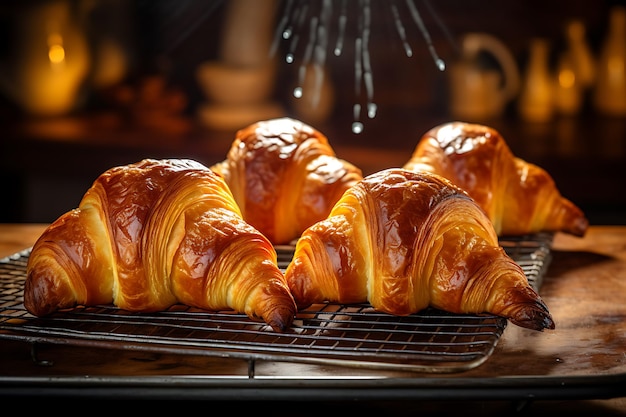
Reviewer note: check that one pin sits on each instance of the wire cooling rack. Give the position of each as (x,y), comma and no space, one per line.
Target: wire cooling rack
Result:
(430,341)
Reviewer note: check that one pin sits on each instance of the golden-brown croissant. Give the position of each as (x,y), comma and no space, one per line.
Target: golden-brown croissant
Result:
(285,176)
(519,197)
(152,234)
(403,241)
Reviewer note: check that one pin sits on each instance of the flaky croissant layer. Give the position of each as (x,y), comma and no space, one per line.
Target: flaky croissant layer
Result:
(152,234)
(403,241)
(519,197)
(285,176)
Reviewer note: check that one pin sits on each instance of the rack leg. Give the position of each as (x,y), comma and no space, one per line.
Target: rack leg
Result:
(522,405)
(33,356)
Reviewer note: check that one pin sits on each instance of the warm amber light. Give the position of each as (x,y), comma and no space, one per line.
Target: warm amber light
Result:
(56,52)
(566,78)
(615,66)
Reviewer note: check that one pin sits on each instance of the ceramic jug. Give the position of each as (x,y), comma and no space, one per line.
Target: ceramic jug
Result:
(478,92)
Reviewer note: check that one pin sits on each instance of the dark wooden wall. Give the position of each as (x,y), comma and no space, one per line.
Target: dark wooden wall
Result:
(47,172)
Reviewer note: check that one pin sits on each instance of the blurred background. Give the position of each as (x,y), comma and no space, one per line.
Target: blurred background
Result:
(86,85)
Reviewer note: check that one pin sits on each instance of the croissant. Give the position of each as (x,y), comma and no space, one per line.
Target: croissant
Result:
(404,241)
(519,197)
(152,234)
(285,176)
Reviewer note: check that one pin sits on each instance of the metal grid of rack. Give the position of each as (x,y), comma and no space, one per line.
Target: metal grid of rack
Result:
(346,335)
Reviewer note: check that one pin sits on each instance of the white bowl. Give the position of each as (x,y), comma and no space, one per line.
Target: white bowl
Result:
(234,85)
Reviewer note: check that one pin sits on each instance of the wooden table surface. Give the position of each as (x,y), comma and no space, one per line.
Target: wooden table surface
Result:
(584,288)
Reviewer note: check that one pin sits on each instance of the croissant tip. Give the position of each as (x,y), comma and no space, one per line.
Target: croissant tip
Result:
(536,325)
(280,319)
(580,227)
(280,326)
(536,319)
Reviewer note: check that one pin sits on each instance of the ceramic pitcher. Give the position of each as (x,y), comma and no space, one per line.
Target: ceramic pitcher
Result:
(479,92)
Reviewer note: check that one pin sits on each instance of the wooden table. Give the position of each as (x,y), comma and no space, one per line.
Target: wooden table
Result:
(584,288)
